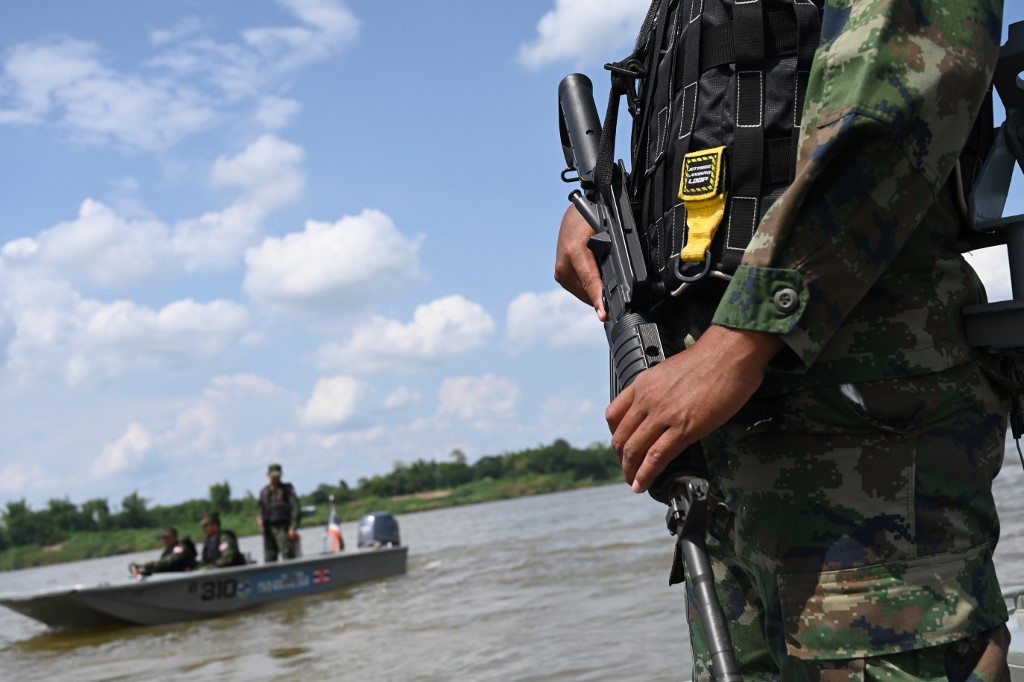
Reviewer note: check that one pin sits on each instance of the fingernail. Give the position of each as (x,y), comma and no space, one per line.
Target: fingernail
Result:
(637,488)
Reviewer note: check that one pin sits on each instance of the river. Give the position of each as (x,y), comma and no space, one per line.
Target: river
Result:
(568,586)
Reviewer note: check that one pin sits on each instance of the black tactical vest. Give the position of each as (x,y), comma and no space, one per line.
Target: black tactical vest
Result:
(276,504)
(717,99)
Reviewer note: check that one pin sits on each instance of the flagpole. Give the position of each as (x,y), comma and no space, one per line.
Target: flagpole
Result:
(327,526)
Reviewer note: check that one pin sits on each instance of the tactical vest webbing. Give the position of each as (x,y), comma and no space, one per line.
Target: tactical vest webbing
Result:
(276,504)
(719,92)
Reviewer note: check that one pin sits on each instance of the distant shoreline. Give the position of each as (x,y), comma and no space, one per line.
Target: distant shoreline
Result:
(96,544)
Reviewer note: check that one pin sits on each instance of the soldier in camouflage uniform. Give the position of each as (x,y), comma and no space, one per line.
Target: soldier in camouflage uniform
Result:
(220,548)
(178,555)
(279,516)
(845,421)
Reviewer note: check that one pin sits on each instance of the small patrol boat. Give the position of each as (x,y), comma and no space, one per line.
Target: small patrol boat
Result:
(1014,597)
(173,597)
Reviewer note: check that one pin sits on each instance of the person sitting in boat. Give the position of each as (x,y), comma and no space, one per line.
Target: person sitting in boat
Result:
(220,548)
(178,555)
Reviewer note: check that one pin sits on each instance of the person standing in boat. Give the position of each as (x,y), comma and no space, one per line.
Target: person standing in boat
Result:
(220,548)
(178,555)
(279,516)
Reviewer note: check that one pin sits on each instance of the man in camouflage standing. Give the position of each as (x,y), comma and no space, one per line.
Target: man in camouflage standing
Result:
(279,516)
(845,421)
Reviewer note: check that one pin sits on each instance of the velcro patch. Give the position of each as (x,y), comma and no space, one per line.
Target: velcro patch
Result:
(702,174)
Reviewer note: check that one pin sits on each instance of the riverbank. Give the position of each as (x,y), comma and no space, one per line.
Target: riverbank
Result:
(91,545)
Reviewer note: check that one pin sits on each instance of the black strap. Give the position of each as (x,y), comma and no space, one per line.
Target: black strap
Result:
(748,138)
(717,48)
(808,20)
(624,75)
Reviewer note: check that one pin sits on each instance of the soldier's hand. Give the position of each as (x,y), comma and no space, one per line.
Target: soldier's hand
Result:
(575,266)
(293,534)
(679,401)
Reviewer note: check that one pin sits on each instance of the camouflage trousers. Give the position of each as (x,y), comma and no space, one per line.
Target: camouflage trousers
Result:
(276,540)
(862,530)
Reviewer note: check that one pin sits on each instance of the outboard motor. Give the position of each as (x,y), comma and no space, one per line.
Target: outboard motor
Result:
(379,529)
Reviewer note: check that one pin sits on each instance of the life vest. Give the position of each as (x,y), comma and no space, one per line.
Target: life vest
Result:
(716,89)
(188,553)
(276,504)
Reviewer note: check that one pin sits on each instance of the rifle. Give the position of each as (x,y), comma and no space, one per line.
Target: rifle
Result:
(635,344)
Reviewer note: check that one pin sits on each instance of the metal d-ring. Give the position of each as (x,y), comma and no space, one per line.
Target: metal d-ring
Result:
(678,269)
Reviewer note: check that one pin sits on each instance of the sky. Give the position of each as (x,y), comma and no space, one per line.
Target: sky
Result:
(313,232)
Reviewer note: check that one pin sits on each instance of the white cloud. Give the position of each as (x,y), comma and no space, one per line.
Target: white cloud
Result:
(400,397)
(330,26)
(443,328)
(183,89)
(555,318)
(356,260)
(584,29)
(52,328)
(334,401)
(113,337)
(99,247)
(125,454)
(66,80)
(478,400)
(275,113)
(267,171)
(189,26)
(235,416)
(265,56)
(104,248)
(567,414)
(993,267)
(214,241)
(19,477)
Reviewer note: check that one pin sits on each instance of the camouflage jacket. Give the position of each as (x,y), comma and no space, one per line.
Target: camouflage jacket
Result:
(864,235)
(180,557)
(221,550)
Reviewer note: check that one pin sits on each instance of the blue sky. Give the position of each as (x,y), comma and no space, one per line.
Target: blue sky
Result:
(313,232)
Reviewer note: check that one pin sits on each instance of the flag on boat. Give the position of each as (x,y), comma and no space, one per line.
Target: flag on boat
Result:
(334,530)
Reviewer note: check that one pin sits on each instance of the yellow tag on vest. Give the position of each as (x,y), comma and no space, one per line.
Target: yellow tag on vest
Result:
(702,190)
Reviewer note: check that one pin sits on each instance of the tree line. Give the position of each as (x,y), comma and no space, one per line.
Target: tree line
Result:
(21,526)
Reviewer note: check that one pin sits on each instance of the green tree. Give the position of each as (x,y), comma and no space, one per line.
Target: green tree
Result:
(97,511)
(220,497)
(134,513)
(22,524)
(64,518)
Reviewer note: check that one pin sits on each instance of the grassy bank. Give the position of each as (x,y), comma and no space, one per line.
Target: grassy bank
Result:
(91,545)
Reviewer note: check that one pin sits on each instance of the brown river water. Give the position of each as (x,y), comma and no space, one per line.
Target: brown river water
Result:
(568,586)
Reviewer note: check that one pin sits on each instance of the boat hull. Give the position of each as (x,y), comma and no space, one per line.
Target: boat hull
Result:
(174,597)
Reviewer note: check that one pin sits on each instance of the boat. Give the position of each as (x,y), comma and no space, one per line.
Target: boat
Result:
(174,597)
(1014,597)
